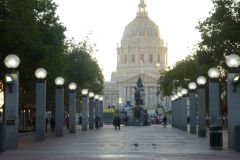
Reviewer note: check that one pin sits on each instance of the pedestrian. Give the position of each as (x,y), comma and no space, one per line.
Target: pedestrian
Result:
(52,124)
(46,125)
(80,120)
(164,121)
(117,122)
(97,121)
(67,122)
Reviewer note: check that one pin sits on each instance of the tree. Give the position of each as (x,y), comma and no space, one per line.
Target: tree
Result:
(31,30)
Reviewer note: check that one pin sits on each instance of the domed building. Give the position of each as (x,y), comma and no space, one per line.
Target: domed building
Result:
(142,53)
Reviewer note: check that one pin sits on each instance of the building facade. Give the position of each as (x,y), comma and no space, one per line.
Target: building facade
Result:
(141,53)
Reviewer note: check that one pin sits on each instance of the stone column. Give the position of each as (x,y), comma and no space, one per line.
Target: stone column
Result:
(201,111)
(96,107)
(193,108)
(173,114)
(146,96)
(59,111)
(184,113)
(128,94)
(101,112)
(91,108)
(84,113)
(233,98)
(11,111)
(72,111)
(214,102)
(40,110)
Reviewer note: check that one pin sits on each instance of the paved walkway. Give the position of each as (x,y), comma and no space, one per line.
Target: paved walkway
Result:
(129,143)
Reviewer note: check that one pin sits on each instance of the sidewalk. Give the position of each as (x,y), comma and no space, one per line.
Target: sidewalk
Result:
(129,143)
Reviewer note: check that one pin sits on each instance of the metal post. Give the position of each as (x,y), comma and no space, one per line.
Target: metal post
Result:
(193,108)
(201,111)
(84,113)
(59,111)
(40,110)
(214,102)
(233,100)
(72,111)
(11,111)
(91,107)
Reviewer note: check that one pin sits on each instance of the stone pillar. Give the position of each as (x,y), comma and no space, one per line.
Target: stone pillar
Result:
(214,102)
(91,108)
(128,94)
(173,114)
(184,113)
(72,111)
(59,111)
(101,113)
(84,113)
(193,108)
(40,110)
(11,111)
(201,111)
(96,107)
(233,100)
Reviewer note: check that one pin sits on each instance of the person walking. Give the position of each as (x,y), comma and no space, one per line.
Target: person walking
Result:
(52,124)
(164,121)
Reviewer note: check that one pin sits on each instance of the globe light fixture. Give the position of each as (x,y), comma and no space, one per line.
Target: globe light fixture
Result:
(96,97)
(179,94)
(72,86)
(40,73)
(175,96)
(184,91)
(192,86)
(233,61)
(172,98)
(201,80)
(12,61)
(213,73)
(84,92)
(59,81)
(100,98)
(91,94)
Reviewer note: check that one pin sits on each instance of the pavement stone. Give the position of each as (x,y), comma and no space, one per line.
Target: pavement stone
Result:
(142,143)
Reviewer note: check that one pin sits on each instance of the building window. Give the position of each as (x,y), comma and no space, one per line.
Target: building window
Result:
(133,58)
(125,59)
(141,58)
(158,58)
(150,58)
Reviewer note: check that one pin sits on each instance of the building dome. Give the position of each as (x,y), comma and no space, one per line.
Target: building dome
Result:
(141,26)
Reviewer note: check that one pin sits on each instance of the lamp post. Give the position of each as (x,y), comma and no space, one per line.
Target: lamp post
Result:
(96,106)
(84,109)
(214,96)
(193,106)
(233,91)
(201,81)
(179,109)
(72,107)
(91,106)
(101,110)
(40,74)
(184,92)
(59,106)
(11,100)
(173,99)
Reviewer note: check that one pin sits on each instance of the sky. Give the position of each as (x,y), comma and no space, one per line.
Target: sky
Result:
(107,19)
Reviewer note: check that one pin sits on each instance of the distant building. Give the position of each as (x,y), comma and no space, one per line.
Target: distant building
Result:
(142,53)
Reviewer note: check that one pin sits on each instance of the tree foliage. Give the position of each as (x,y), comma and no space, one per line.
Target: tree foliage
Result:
(31,30)
(220,37)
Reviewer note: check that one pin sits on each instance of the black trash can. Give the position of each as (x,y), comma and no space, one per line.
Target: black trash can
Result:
(237,138)
(2,138)
(216,137)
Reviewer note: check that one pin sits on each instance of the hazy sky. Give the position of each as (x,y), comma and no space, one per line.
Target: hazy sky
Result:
(106,20)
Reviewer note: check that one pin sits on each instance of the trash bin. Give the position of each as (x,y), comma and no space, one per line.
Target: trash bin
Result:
(237,138)
(216,138)
(2,138)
